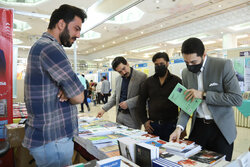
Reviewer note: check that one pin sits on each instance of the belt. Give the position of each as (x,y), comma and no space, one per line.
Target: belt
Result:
(206,121)
(161,122)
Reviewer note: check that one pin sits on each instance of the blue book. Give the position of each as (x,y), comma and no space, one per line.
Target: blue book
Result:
(164,163)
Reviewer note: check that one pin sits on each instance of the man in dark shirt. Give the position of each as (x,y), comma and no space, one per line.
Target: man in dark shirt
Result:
(162,113)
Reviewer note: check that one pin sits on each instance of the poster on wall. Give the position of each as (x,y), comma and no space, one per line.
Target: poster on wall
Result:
(6,52)
(239,70)
(247,74)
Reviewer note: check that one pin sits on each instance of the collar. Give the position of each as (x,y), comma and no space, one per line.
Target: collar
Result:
(203,64)
(48,35)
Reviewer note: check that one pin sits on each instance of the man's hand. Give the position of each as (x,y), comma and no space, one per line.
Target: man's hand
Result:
(175,136)
(123,105)
(100,114)
(62,97)
(191,94)
(148,127)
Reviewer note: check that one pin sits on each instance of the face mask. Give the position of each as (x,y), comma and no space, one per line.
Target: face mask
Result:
(195,68)
(160,70)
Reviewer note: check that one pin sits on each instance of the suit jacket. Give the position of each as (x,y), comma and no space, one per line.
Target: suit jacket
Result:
(223,92)
(133,90)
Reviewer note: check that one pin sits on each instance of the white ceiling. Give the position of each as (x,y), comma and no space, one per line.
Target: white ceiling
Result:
(161,22)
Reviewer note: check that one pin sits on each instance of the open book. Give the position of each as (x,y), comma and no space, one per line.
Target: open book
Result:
(177,97)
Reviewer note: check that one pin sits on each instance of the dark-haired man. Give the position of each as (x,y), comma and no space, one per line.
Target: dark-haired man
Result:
(105,89)
(214,81)
(51,91)
(162,113)
(126,93)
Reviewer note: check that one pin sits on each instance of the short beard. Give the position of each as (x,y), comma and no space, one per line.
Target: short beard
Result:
(65,37)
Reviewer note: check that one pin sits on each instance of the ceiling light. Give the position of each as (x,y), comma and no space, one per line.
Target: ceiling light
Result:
(87,51)
(103,46)
(146,56)
(98,59)
(115,55)
(94,49)
(219,6)
(131,15)
(141,32)
(157,1)
(126,37)
(240,26)
(145,49)
(218,49)
(221,32)
(181,40)
(209,42)
(113,42)
(244,45)
(242,36)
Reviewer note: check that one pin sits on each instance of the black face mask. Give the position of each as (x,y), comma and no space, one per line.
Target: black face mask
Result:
(160,70)
(195,68)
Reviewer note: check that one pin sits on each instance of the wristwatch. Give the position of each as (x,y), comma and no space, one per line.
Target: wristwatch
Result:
(204,94)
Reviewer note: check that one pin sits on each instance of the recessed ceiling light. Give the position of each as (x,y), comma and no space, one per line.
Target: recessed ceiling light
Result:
(221,32)
(126,37)
(209,42)
(219,6)
(98,59)
(241,36)
(146,56)
(105,28)
(161,25)
(240,26)
(87,51)
(141,32)
(94,49)
(103,46)
(113,42)
(157,1)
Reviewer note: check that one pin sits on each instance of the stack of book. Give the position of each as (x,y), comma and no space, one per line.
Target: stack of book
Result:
(184,148)
(204,158)
(19,110)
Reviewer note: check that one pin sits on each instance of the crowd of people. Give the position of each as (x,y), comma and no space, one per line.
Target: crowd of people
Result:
(52,90)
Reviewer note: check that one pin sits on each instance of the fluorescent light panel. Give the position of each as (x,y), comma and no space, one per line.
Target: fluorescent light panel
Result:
(145,49)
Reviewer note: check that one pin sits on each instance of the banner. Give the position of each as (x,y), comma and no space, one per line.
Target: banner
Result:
(6,46)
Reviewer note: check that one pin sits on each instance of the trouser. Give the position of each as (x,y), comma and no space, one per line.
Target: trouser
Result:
(210,137)
(126,119)
(54,154)
(163,130)
(85,100)
(99,98)
(105,98)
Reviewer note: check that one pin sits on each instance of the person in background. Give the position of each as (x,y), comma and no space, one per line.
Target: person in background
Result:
(98,91)
(52,90)
(86,91)
(93,95)
(214,81)
(162,113)
(105,89)
(126,93)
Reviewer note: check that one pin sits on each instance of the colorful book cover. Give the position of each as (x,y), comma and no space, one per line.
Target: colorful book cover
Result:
(208,157)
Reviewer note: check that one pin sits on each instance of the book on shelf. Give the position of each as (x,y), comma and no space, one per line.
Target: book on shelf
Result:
(177,97)
(179,146)
(161,162)
(145,154)
(207,157)
(127,147)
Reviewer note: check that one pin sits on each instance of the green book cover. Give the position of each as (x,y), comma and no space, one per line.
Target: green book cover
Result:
(177,97)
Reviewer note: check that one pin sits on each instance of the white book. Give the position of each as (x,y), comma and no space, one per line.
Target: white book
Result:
(127,147)
(187,152)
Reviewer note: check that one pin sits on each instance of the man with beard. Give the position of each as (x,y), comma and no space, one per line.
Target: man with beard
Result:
(51,91)
(214,81)
(162,113)
(126,94)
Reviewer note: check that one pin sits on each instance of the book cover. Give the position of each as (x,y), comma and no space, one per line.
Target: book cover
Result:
(187,152)
(208,157)
(180,146)
(177,97)
(143,156)
(127,147)
(109,162)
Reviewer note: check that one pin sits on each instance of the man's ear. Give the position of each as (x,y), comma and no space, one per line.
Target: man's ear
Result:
(61,24)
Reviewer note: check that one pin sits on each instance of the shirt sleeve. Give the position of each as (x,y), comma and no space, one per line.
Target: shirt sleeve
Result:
(141,103)
(55,62)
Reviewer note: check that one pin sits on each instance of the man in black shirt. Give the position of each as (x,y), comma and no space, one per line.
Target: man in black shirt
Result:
(162,113)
